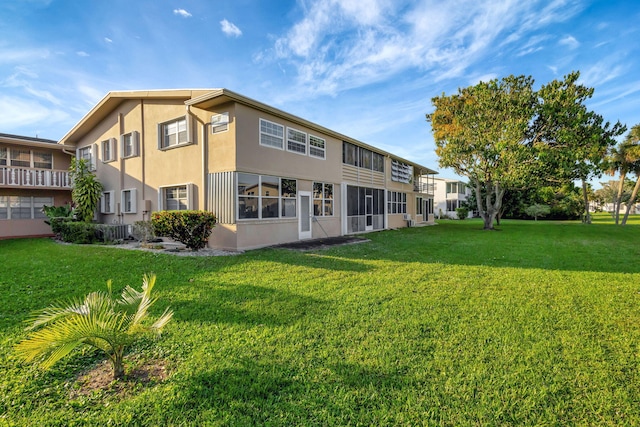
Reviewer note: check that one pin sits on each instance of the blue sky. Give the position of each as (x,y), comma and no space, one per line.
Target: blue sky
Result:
(365,68)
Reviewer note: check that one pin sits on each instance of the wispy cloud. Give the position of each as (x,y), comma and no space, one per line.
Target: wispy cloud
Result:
(82,53)
(570,42)
(108,40)
(341,44)
(230,29)
(182,12)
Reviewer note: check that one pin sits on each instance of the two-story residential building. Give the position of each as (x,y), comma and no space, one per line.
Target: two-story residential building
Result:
(449,194)
(34,172)
(270,177)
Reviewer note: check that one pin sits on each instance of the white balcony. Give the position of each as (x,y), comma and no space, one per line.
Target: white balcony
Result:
(31,177)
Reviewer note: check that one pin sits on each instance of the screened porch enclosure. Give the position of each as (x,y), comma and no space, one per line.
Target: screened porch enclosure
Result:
(365,209)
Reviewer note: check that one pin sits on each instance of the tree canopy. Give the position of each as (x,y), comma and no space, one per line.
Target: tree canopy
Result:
(503,134)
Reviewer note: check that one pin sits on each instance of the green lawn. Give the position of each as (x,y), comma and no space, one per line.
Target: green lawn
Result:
(535,324)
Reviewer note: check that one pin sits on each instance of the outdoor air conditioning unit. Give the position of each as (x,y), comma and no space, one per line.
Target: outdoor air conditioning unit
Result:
(406,217)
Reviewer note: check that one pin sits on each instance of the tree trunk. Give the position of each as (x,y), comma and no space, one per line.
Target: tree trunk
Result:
(632,200)
(587,215)
(616,205)
(117,362)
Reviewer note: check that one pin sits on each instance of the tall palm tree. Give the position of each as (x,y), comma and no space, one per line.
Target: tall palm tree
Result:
(99,320)
(620,161)
(633,142)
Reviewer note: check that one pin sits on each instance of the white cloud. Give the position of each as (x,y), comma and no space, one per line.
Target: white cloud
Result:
(182,13)
(82,53)
(17,112)
(108,40)
(230,29)
(570,42)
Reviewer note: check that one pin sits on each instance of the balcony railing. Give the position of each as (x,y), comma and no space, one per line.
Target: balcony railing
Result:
(423,187)
(30,177)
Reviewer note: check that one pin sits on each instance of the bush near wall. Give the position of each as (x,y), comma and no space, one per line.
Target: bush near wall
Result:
(72,231)
(191,228)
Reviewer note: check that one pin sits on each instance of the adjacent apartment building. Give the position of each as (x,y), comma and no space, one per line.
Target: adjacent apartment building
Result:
(449,194)
(33,173)
(270,177)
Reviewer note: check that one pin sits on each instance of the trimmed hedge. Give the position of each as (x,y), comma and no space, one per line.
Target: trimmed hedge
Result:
(72,231)
(191,228)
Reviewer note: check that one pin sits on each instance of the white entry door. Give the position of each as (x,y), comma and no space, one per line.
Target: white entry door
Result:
(304,219)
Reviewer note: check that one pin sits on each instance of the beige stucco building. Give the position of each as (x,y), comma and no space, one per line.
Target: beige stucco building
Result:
(270,177)
(33,173)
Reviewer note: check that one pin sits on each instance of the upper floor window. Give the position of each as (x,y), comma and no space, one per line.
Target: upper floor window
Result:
(174,133)
(88,154)
(317,147)
(42,160)
(271,134)
(129,144)
(296,141)
(20,157)
(455,188)
(108,148)
(219,122)
(401,172)
(3,156)
(362,157)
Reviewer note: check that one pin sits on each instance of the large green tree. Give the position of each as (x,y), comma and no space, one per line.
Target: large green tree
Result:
(571,141)
(504,135)
(481,133)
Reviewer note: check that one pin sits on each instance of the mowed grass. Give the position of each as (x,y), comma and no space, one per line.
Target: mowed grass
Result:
(535,324)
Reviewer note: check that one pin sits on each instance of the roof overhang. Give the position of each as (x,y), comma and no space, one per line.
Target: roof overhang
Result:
(29,141)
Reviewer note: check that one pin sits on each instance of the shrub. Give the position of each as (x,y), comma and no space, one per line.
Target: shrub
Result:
(192,228)
(77,232)
(537,210)
(57,211)
(462,213)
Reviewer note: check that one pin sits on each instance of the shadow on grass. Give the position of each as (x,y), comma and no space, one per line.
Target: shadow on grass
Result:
(244,304)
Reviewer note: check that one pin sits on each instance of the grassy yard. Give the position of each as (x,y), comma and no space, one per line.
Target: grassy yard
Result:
(535,324)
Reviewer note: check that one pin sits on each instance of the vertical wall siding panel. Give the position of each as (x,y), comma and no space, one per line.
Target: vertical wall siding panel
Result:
(222,196)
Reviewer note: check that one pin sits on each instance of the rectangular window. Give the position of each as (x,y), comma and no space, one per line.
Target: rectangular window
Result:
(107,202)
(129,143)
(271,134)
(88,154)
(296,141)
(4,207)
(378,162)
(174,133)
(3,156)
(289,193)
(176,198)
(401,172)
(349,154)
(396,202)
(264,197)
(219,122)
(128,201)
(322,199)
(108,149)
(361,157)
(317,147)
(38,204)
(20,157)
(42,160)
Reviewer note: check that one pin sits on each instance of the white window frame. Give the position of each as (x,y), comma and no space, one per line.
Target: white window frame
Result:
(132,197)
(268,134)
(110,195)
(292,133)
(315,147)
(324,201)
(111,143)
(93,151)
(162,195)
(135,144)
(189,140)
(220,123)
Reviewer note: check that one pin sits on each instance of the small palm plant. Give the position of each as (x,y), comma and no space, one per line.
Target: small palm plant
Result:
(100,320)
